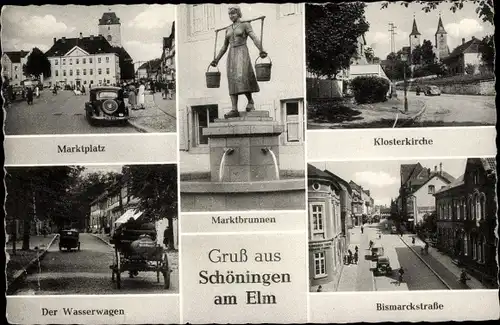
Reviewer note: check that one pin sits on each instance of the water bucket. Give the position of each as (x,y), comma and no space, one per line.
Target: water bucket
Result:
(213,78)
(263,70)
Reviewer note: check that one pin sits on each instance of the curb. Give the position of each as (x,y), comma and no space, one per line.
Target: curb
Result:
(104,241)
(140,128)
(426,264)
(24,271)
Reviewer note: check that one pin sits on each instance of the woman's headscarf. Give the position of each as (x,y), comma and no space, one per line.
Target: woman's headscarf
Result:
(235,8)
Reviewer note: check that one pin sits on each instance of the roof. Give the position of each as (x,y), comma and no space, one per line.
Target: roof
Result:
(456,183)
(489,163)
(340,180)
(414,30)
(91,45)
(415,176)
(471,46)
(109,18)
(440,29)
(313,172)
(122,53)
(16,56)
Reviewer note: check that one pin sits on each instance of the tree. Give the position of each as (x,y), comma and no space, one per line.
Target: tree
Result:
(37,64)
(332,33)
(484,9)
(369,54)
(394,66)
(156,188)
(470,69)
(487,50)
(416,55)
(428,56)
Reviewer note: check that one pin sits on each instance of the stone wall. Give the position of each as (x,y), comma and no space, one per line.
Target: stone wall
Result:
(482,87)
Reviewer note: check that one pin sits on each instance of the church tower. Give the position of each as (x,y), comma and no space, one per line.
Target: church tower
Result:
(109,27)
(441,41)
(414,36)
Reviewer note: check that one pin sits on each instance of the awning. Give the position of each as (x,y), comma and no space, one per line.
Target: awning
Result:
(127,215)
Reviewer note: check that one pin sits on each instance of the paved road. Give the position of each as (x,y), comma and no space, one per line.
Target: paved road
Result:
(456,108)
(55,114)
(87,272)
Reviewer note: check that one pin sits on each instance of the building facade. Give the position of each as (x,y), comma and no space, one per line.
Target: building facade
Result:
(468,53)
(357,204)
(326,243)
(282,96)
(83,61)
(110,27)
(168,58)
(467,217)
(12,66)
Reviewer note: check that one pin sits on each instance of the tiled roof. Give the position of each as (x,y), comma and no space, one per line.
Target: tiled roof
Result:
(472,46)
(457,182)
(15,56)
(92,45)
(414,30)
(109,18)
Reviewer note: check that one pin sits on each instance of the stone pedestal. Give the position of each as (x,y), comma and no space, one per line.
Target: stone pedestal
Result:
(249,142)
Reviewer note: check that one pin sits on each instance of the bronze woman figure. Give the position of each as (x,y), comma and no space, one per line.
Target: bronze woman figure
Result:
(240,75)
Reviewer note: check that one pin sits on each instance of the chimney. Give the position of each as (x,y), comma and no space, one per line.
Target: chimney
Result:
(463,41)
(55,40)
(81,35)
(64,39)
(91,37)
(440,168)
(435,169)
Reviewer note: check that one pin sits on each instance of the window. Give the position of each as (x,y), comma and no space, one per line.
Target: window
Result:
(98,60)
(64,61)
(99,71)
(77,61)
(90,60)
(64,73)
(316,186)
(317,211)
(56,61)
(289,9)
(107,70)
(431,189)
(77,72)
(474,247)
(57,73)
(319,265)
(107,59)
(202,117)
(482,201)
(70,61)
(84,72)
(293,115)
(91,72)
(70,72)
(85,82)
(84,60)
(201,18)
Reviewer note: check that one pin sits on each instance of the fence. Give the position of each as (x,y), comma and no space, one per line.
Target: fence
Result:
(323,88)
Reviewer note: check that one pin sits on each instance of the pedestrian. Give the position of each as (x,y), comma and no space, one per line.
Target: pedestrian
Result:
(356,257)
(37,91)
(167,237)
(426,248)
(371,244)
(320,289)
(464,277)
(29,96)
(349,260)
(356,248)
(132,99)
(413,240)
(83,90)
(362,229)
(141,96)
(400,272)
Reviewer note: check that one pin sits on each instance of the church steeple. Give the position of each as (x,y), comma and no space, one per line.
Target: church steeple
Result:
(440,29)
(414,30)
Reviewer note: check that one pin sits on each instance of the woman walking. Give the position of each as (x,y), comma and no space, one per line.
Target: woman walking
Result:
(240,75)
(132,99)
(141,95)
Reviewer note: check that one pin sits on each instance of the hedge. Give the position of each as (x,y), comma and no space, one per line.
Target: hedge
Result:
(370,89)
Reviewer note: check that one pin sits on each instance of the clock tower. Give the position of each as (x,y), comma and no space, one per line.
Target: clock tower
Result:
(110,28)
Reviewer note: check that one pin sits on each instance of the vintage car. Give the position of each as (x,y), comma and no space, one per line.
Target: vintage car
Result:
(383,266)
(432,91)
(69,239)
(376,252)
(106,103)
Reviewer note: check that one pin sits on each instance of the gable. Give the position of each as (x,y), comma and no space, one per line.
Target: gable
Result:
(437,181)
(77,51)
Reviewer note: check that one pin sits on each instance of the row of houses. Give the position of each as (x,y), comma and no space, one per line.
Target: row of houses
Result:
(464,208)
(117,202)
(335,206)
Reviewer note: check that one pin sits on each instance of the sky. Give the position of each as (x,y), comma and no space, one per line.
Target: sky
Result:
(142,26)
(464,23)
(382,177)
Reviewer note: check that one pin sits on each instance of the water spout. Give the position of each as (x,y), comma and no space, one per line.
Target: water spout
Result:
(227,151)
(275,161)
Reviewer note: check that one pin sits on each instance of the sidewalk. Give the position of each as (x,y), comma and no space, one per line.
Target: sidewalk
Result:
(159,115)
(19,263)
(438,260)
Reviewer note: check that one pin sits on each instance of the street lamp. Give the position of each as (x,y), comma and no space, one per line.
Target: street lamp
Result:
(404,58)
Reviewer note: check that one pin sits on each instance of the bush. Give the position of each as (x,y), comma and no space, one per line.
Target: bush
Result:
(370,89)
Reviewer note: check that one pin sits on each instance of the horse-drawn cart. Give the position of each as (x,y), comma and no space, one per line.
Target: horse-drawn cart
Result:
(136,250)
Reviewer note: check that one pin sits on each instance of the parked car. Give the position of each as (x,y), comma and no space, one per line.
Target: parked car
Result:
(69,239)
(383,266)
(106,103)
(432,91)
(376,252)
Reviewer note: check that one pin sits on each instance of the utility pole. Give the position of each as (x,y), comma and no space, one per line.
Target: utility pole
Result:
(392,31)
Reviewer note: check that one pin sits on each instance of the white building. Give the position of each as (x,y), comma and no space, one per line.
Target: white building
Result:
(83,61)
(12,66)
(282,97)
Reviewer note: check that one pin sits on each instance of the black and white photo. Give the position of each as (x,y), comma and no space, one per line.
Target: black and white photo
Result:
(92,230)
(400,64)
